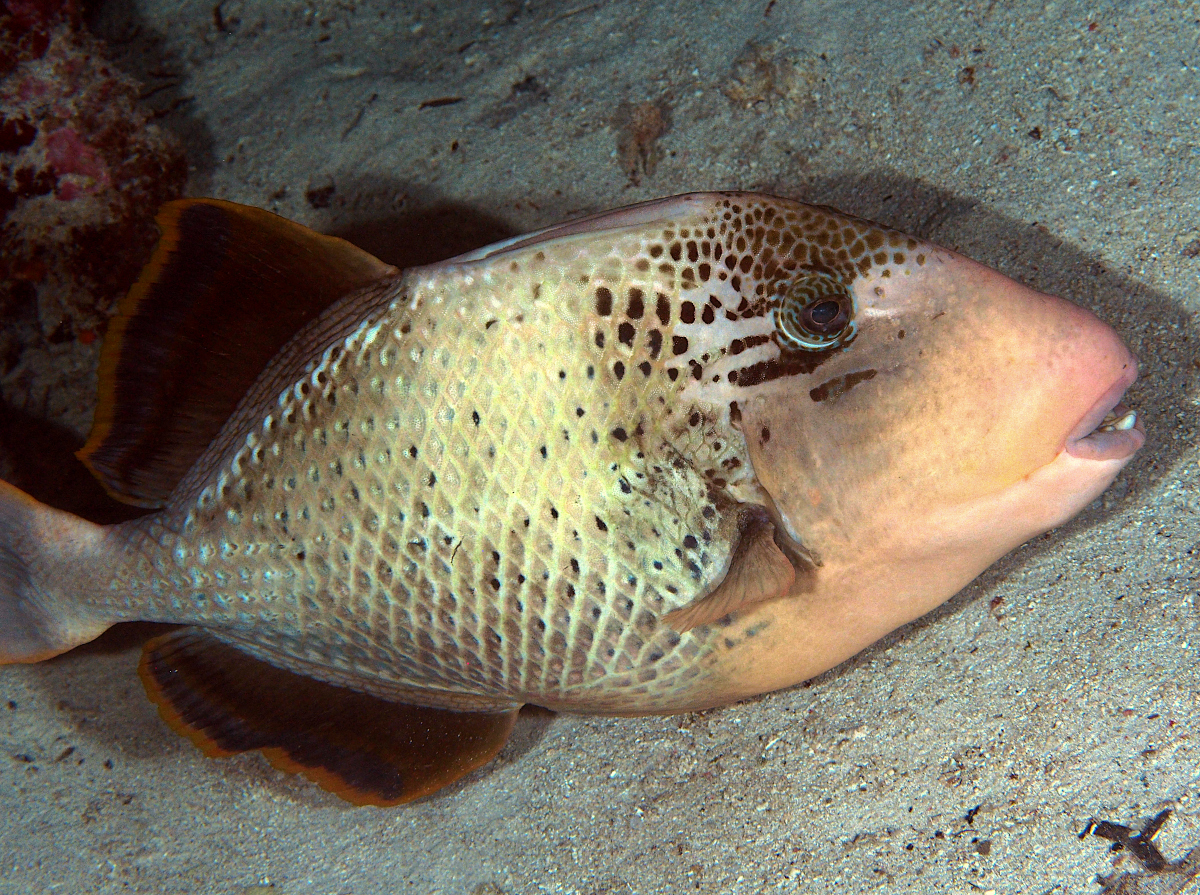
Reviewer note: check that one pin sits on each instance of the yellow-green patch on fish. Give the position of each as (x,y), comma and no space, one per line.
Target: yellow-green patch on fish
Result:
(655,460)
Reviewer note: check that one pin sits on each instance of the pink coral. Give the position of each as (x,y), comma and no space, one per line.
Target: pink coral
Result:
(82,171)
(68,154)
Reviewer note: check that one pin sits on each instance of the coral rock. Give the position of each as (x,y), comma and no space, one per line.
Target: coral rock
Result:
(82,170)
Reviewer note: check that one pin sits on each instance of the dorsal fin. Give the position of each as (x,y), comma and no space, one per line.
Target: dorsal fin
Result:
(227,286)
(758,571)
(362,748)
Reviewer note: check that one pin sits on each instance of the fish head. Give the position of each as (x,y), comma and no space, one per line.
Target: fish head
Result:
(913,417)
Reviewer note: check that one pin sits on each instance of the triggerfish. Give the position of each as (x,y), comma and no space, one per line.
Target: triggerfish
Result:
(652,461)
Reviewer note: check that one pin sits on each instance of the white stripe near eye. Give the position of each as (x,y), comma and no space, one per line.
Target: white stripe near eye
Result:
(717,340)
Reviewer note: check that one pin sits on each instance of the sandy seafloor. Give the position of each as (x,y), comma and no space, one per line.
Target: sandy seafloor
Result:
(1057,142)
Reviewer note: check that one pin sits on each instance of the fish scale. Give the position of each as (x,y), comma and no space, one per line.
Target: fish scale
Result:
(484,339)
(457,494)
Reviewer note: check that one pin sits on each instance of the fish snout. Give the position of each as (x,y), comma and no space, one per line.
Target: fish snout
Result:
(1109,430)
(1102,368)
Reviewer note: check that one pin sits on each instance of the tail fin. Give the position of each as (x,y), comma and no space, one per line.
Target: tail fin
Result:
(43,561)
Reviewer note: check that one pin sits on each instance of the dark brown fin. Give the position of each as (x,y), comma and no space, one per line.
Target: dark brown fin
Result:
(758,571)
(362,748)
(226,288)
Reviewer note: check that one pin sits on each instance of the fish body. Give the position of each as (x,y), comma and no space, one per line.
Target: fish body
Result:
(652,461)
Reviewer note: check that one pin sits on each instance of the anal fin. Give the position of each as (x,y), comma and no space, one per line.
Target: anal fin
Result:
(758,571)
(362,748)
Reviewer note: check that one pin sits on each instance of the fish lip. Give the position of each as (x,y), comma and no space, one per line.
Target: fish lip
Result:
(1085,443)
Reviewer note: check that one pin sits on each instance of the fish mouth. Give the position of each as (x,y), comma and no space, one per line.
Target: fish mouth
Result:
(1109,430)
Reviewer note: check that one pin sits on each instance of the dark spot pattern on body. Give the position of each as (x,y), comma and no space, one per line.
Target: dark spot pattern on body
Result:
(604,301)
(654,343)
(636,304)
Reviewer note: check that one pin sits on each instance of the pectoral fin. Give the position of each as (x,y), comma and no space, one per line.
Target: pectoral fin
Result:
(758,571)
(362,748)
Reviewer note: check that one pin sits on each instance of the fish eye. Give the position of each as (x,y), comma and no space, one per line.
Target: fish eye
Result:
(815,313)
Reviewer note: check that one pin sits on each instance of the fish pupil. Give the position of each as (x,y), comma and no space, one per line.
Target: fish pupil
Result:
(822,317)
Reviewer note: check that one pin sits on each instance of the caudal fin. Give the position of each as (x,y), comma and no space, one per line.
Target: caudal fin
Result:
(44,555)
